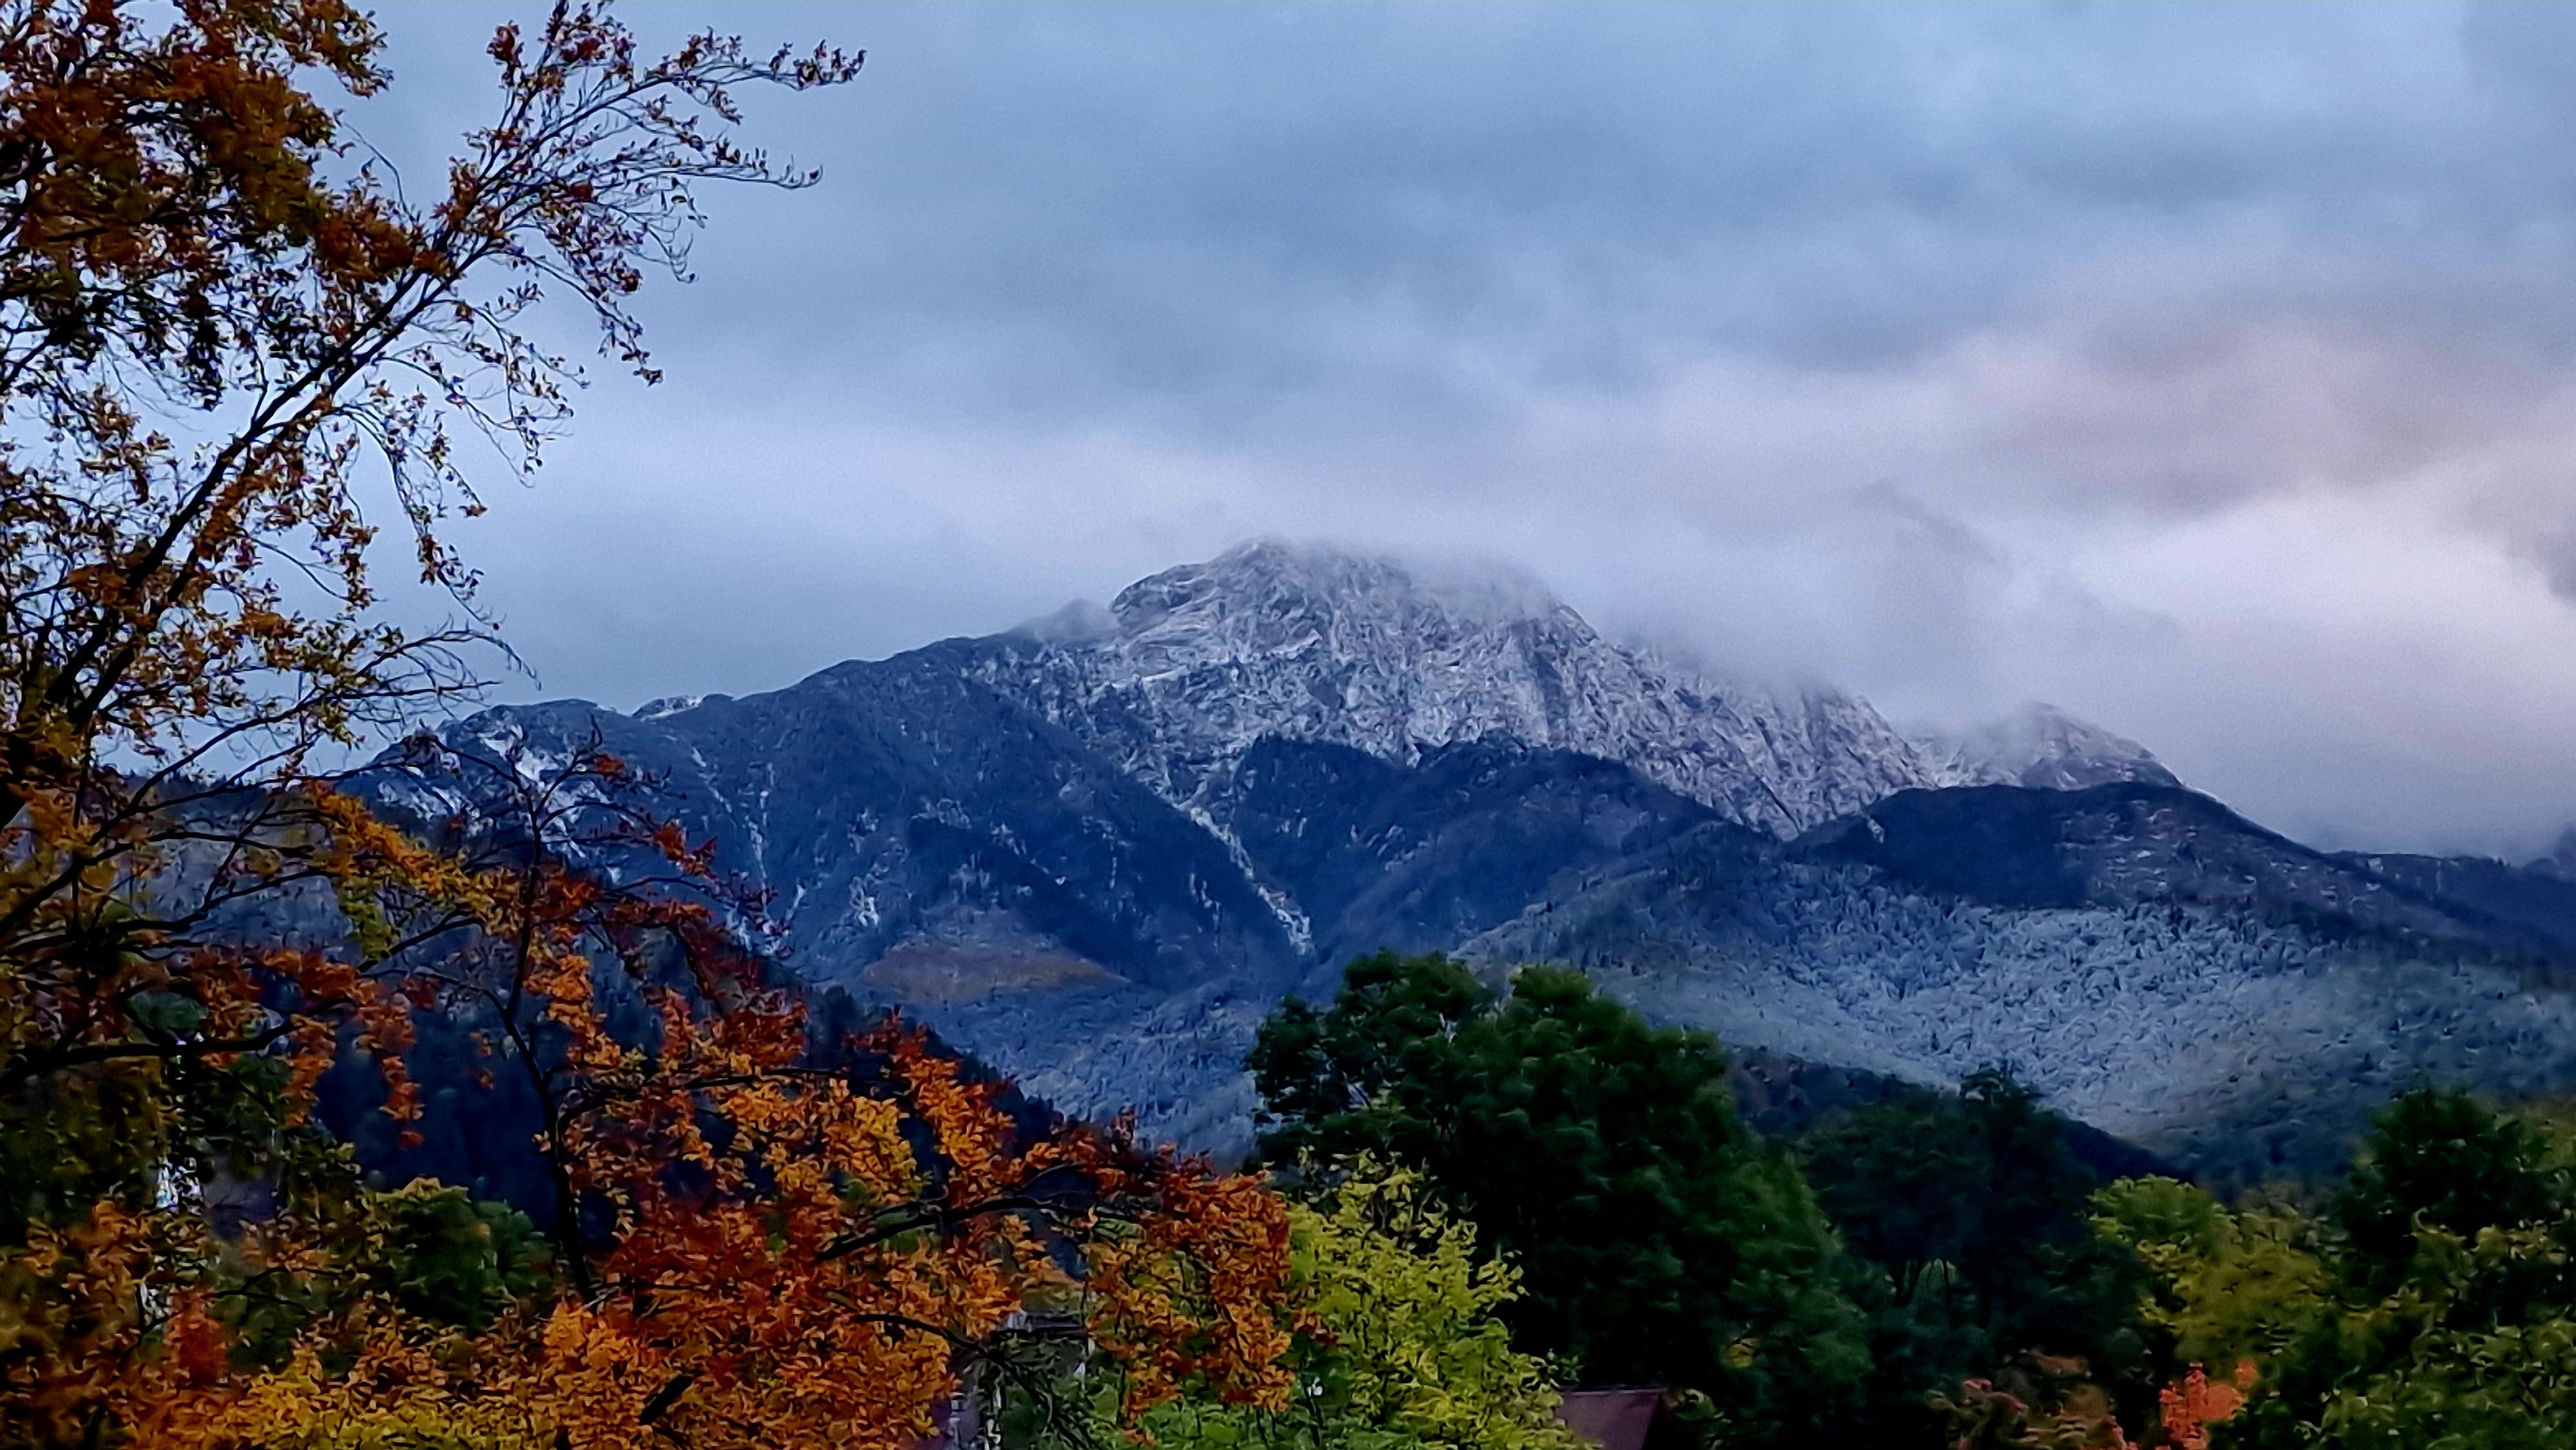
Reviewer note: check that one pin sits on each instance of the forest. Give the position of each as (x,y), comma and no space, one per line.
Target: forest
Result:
(241,365)
(1933,1269)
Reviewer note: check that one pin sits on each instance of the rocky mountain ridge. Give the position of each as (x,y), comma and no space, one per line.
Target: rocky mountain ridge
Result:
(1094,851)
(1186,670)
(2044,748)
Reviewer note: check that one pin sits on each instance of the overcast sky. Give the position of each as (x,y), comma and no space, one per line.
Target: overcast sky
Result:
(2208,372)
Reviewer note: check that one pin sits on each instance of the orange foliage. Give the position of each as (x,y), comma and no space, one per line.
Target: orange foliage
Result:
(814,1281)
(2058,1409)
(763,1241)
(185,621)
(2194,1403)
(760,1240)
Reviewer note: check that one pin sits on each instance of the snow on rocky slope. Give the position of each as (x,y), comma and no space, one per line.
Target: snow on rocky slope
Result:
(1096,849)
(2045,748)
(1186,670)
(2151,962)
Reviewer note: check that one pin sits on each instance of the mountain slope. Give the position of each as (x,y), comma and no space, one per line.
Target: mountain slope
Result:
(2536,899)
(894,804)
(1188,669)
(2154,964)
(1421,858)
(2130,844)
(1093,852)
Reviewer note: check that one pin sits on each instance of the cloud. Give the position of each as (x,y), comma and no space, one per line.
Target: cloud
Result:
(2206,369)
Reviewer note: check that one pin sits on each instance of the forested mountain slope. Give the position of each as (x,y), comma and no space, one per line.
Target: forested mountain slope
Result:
(2155,965)
(1095,852)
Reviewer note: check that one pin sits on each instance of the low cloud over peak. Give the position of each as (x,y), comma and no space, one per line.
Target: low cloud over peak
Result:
(2205,370)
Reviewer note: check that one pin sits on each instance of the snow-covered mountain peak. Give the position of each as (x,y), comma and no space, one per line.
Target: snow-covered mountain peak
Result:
(1187,669)
(2045,748)
(1269,592)
(1303,642)
(668,705)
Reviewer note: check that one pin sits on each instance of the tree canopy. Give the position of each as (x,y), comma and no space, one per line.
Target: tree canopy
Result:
(230,342)
(2432,1304)
(1400,1343)
(1658,1241)
(1973,1211)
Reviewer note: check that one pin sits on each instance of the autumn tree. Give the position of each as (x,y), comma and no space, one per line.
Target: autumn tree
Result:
(218,336)
(2033,1402)
(757,1239)
(1398,1344)
(229,341)
(2433,1303)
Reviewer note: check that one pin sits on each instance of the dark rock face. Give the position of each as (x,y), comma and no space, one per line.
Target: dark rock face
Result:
(1095,851)
(893,803)
(1421,858)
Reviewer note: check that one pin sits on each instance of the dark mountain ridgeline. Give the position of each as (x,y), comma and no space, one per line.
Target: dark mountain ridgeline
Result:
(2131,843)
(1093,852)
(1783,1097)
(2536,899)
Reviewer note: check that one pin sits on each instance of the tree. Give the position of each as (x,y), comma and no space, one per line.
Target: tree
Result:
(2036,1402)
(226,338)
(2445,1161)
(1974,1209)
(759,1240)
(222,336)
(2229,1286)
(1402,1345)
(213,333)
(2433,1305)
(1658,1240)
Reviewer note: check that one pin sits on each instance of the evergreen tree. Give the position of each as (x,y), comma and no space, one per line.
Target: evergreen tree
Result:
(1659,1241)
(1974,1210)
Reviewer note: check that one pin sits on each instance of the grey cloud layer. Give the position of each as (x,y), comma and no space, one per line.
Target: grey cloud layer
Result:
(1955,353)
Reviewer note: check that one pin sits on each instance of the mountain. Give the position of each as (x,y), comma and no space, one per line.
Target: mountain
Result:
(2538,901)
(1190,668)
(2156,965)
(2130,843)
(2045,748)
(1094,852)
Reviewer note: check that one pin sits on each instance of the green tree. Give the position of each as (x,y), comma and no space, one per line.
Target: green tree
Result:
(2433,1305)
(452,1259)
(1403,1349)
(1974,1210)
(2226,1285)
(1659,1241)
(2442,1160)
